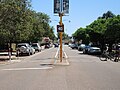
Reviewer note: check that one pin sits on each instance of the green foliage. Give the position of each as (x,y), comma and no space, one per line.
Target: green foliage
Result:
(113,30)
(105,29)
(81,34)
(14,20)
(18,23)
(64,36)
(107,15)
(96,30)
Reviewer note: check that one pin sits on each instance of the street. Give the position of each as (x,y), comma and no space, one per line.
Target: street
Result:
(37,72)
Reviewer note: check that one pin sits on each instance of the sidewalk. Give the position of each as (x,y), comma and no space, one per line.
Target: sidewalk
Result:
(4,57)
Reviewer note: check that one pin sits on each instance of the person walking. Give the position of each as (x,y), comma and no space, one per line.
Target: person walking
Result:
(117,53)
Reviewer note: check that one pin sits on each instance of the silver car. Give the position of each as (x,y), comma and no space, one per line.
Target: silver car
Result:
(94,50)
(24,48)
(36,46)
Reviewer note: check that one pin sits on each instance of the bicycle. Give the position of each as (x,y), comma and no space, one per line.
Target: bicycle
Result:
(107,55)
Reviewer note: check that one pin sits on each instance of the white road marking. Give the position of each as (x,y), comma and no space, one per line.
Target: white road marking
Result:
(16,69)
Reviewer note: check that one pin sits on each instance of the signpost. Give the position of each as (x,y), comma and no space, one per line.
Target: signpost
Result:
(60,28)
(61,7)
(65,6)
(56,6)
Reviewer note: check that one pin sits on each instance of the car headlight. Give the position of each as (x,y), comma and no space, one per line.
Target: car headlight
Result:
(27,50)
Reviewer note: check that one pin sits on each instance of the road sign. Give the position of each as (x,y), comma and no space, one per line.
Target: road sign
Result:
(60,28)
(61,6)
(65,6)
(57,6)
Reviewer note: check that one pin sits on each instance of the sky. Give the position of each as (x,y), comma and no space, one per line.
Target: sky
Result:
(81,12)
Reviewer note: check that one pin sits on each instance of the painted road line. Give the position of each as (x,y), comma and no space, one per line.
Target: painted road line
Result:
(18,69)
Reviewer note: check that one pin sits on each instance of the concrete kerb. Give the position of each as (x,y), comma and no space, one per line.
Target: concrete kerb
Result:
(64,62)
(6,60)
(57,58)
(64,59)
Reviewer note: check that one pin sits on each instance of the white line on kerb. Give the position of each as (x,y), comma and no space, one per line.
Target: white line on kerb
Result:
(16,69)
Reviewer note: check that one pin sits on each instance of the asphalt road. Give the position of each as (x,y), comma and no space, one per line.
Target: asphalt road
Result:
(36,72)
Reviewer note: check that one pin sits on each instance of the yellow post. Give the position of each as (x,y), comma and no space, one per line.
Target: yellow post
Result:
(60,15)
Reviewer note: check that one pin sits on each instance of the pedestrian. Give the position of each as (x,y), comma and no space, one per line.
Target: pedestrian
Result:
(116,53)
(9,53)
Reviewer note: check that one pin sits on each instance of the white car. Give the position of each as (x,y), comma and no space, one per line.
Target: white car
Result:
(32,50)
(24,48)
(36,46)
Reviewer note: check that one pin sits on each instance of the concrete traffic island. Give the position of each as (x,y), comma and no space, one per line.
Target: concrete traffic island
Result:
(64,60)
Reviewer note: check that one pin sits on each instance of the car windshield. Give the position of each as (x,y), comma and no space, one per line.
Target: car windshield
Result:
(21,45)
(34,45)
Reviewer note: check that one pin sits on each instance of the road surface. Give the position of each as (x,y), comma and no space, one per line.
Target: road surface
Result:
(85,72)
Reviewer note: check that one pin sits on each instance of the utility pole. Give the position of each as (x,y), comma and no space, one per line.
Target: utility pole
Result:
(61,7)
(60,15)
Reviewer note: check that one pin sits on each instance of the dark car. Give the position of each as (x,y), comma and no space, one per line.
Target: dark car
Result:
(47,46)
(74,46)
(81,47)
(85,49)
(94,50)
(56,45)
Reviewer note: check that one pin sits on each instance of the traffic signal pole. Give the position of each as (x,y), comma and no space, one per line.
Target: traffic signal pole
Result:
(60,15)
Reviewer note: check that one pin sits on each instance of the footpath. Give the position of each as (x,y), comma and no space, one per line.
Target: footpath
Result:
(4,57)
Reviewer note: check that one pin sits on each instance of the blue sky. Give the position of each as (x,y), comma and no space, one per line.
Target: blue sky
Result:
(81,12)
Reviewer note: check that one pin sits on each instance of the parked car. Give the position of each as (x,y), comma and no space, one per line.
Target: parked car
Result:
(85,49)
(69,44)
(32,50)
(47,46)
(24,48)
(94,50)
(81,47)
(56,45)
(74,46)
(36,46)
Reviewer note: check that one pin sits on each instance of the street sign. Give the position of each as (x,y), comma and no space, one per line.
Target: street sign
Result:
(65,6)
(60,28)
(57,6)
(61,6)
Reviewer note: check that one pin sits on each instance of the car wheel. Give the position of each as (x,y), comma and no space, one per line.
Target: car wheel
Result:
(31,53)
(28,53)
(83,52)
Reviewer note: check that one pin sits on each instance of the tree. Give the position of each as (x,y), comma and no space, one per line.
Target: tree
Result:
(113,30)
(18,23)
(81,35)
(37,30)
(104,30)
(96,31)
(14,16)
(107,15)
